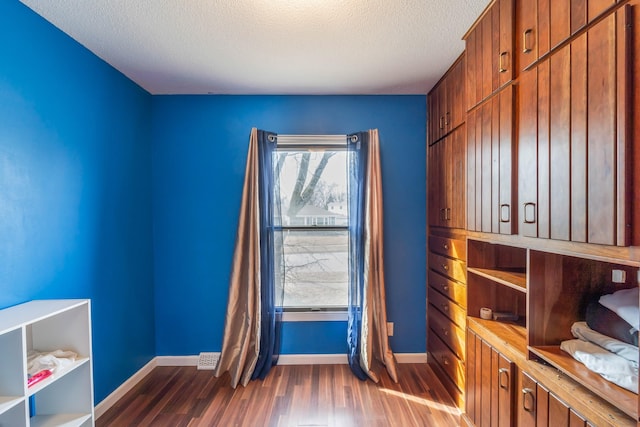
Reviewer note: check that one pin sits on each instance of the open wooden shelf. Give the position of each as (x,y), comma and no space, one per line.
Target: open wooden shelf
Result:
(515,278)
(625,400)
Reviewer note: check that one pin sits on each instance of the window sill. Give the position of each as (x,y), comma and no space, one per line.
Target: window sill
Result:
(314,316)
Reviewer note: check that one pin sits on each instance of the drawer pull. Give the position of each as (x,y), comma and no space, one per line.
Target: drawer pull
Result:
(529,213)
(503,373)
(442,122)
(505,213)
(445,267)
(525,40)
(445,307)
(446,247)
(528,396)
(445,332)
(445,287)
(502,64)
(445,361)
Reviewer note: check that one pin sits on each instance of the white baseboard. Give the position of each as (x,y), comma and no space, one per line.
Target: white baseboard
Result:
(177,360)
(284,359)
(118,393)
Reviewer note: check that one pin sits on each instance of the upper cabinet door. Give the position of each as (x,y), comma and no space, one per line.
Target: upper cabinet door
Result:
(543,25)
(490,57)
(574,171)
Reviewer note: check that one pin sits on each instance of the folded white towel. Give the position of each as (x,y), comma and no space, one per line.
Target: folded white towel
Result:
(625,304)
(582,331)
(610,366)
(58,359)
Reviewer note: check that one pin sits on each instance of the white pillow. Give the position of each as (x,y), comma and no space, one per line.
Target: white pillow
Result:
(625,304)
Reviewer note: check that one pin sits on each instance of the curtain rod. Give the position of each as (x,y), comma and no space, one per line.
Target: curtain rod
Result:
(284,140)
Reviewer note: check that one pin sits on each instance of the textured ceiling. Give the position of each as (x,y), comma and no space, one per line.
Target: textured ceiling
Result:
(270,46)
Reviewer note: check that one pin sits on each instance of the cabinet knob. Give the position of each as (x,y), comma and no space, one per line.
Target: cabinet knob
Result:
(445,267)
(445,287)
(446,247)
(528,396)
(445,361)
(526,48)
(445,332)
(445,307)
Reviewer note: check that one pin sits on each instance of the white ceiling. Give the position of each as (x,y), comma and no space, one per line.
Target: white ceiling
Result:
(270,46)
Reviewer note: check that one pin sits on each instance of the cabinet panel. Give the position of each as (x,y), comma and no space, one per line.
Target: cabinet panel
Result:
(559,144)
(447,181)
(601,132)
(450,309)
(543,25)
(451,334)
(491,156)
(450,247)
(453,290)
(450,364)
(527,401)
(558,412)
(569,146)
(448,267)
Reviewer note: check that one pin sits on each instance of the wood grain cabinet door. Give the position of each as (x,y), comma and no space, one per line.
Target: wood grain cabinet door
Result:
(527,401)
(573,119)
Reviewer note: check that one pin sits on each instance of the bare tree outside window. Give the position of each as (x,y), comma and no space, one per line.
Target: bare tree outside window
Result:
(312,190)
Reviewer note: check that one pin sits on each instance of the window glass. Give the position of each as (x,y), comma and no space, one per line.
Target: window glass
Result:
(312,193)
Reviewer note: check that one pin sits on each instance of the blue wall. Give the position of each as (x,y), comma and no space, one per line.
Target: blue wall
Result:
(75,189)
(199,151)
(77,192)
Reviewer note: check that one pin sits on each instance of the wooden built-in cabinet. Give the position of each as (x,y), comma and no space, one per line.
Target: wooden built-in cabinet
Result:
(446,181)
(491,166)
(548,292)
(447,309)
(537,407)
(542,25)
(490,384)
(446,276)
(573,141)
(446,102)
(549,156)
(489,46)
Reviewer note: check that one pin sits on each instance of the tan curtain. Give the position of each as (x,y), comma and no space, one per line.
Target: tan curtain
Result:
(375,351)
(241,341)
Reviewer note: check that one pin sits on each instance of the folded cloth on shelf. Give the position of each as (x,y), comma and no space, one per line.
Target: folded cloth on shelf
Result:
(582,331)
(53,360)
(610,366)
(601,319)
(625,304)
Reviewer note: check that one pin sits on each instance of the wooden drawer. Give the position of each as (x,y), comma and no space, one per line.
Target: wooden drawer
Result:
(446,246)
(452,268)
(452,335)
(447,307)
(455,291)
(449,362)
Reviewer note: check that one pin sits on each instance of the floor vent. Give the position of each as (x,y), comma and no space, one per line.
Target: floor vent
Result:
(208,361)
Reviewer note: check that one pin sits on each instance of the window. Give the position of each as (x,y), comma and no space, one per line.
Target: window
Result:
(311,197)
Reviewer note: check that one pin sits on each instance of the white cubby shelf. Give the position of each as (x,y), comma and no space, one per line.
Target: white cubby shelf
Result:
(64,398)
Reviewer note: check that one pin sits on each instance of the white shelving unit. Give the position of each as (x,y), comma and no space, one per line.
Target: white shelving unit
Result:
(66,397)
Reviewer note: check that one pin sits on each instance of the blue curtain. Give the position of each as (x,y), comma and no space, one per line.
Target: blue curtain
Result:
(357,145)
(270,233)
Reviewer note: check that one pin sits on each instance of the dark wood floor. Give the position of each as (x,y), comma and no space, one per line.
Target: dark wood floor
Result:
(318,395)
